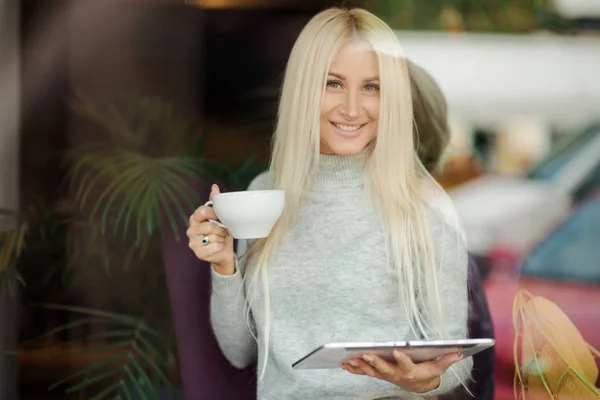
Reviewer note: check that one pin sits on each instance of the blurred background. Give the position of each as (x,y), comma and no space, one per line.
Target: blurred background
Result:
(117,115)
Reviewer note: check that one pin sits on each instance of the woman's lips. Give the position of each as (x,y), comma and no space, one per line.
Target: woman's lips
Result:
(348,133)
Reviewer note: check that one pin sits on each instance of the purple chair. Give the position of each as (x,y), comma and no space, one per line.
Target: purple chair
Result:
(205,373)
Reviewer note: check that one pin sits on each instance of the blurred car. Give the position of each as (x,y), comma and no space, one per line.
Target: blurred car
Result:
(565,269)
(506,216)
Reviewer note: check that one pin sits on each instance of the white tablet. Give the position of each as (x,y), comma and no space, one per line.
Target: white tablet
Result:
(330,355)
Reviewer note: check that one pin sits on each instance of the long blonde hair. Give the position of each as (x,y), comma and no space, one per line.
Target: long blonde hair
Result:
(394,174)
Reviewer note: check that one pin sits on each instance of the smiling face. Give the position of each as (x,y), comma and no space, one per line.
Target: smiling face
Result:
(350,107)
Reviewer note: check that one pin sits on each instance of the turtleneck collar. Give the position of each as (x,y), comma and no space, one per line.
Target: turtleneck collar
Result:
(335,171)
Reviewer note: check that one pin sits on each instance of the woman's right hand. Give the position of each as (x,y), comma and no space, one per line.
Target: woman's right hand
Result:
(219,248)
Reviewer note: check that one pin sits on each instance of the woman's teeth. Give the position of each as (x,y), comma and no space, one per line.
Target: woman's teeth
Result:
(348,128)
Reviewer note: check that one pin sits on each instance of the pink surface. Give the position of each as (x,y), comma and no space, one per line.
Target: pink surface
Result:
(580,302)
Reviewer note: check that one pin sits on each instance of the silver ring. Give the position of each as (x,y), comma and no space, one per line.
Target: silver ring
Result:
(205,240)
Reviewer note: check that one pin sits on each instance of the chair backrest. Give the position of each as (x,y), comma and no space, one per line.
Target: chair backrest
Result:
(204,371)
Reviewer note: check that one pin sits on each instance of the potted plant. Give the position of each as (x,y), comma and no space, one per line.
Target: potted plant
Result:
(134,189)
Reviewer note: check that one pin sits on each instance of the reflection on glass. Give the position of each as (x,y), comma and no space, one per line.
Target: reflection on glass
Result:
(566,151)
(552,359)
(572,252)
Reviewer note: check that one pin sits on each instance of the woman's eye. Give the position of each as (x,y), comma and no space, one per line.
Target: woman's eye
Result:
(372,87)
(334,84)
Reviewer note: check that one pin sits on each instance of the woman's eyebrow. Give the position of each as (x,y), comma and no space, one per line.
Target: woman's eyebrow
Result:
(342,77)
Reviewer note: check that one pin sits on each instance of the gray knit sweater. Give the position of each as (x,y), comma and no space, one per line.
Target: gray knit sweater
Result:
(330,282)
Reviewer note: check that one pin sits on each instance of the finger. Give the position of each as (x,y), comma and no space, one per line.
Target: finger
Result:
(382,366)
(206,228)
(367,368)
(202,214)
(353,368)
(440,366)
(404,363)
(208,252)
(214,190)
(210,228)
(199,241)
(345,366)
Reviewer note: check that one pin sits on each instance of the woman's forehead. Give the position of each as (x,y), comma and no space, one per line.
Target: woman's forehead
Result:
(355,56)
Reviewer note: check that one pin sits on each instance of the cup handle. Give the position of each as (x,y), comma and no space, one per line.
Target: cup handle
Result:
(214,221)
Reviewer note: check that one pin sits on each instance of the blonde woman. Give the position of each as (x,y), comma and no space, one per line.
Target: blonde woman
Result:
(358,254)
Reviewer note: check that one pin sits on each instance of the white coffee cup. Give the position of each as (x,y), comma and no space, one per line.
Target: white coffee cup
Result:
(248,214)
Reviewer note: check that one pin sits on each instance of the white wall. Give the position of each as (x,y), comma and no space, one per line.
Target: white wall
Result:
(489,79)
(578,8)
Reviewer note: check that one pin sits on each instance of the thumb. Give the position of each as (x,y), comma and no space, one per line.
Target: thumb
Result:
(447,360)
(214,190)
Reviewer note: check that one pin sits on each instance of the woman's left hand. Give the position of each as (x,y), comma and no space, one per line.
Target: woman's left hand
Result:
(421,377)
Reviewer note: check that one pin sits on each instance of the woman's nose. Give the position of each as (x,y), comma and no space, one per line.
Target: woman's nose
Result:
(351,106)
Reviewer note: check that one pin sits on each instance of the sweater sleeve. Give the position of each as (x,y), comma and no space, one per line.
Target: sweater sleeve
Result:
(229,317)
(452,257)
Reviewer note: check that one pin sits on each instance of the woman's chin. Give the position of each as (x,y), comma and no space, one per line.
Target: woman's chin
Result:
(344,149)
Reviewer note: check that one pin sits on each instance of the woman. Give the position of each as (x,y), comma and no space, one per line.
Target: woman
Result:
(432,135)
(359,253)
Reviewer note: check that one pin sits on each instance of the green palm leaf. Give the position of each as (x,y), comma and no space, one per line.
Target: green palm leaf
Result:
(87,382)
(12,238)
(12,243)
(131,357)
(152,364)
(124,390)
(134,380)
(88,370)
(102,395)
(140,191)
(111,317)
(143,376)
(129,205)
(128,185)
